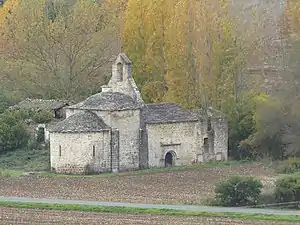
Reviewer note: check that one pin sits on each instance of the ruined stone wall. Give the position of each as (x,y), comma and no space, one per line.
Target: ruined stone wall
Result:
(216,148)
(220,128)
(143,151)
(86,151)
(206,153)
(180,138)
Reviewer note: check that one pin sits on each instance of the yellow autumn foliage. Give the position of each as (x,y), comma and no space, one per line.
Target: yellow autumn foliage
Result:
(8,8)
(187,46)
(292,14)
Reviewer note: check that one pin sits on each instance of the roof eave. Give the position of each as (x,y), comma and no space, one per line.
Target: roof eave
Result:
(78,131)
(171,121)
(103,109)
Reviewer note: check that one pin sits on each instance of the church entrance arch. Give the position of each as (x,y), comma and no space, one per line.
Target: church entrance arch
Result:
(170,159)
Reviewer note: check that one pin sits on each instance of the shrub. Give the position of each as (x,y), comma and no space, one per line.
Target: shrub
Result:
(42,116)
(267,198)
(288,188)
(290,165)
(4,101)
(40,135)
(13,133)
(238,191)
(247,150)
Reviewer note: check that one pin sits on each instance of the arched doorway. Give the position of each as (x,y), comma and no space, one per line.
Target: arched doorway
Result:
(169,159)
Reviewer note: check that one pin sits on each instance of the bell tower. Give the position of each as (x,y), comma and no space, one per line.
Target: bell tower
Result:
(122,80)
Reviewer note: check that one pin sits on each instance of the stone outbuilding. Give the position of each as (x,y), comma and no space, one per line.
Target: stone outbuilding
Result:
(40,131)
(116,131)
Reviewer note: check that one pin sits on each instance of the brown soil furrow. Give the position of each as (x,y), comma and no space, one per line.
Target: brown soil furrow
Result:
(31,216)
(179,187)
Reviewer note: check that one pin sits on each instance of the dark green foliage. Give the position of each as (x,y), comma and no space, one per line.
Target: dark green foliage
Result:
(246,150)
(40,135)
(4,101)
(241,125)
(13,133)
(42,116)
(13,130)
(290,165)
(238,191)
(288,188)
(32,158)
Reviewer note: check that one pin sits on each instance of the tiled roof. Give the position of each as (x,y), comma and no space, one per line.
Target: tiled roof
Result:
(80,122)
(166,113)
(40,104)
(107,101)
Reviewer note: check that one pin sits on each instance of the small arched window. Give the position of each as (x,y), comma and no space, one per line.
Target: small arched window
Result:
(120,71)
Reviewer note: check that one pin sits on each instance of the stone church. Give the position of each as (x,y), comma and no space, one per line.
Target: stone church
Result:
(116,131)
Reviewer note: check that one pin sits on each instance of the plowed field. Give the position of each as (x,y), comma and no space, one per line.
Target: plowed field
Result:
(187,186)
(13,216)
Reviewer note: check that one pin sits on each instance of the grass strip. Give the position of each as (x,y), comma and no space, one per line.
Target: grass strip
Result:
(131,210)
(10,173)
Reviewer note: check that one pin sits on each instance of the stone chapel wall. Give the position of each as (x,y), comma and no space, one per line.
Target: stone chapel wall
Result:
(128,124)
(86,151)
(179,138)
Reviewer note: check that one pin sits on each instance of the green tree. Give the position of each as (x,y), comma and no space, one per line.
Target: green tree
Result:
(145,42)
(13,132)
(64,49)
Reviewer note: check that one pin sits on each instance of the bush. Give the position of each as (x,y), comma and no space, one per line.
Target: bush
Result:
(290,165)
(13,133)
(42,116)
(238,191)
(288,188)
(4,101)
(267,198)
(247,150)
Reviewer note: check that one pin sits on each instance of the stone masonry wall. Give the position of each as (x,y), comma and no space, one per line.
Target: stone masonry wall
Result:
(78,149)
(204,155)
(177,137)
(217,140)
(70,112)
(126,84)
(115,150)
(220,127)
(128,124)
(143,152)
